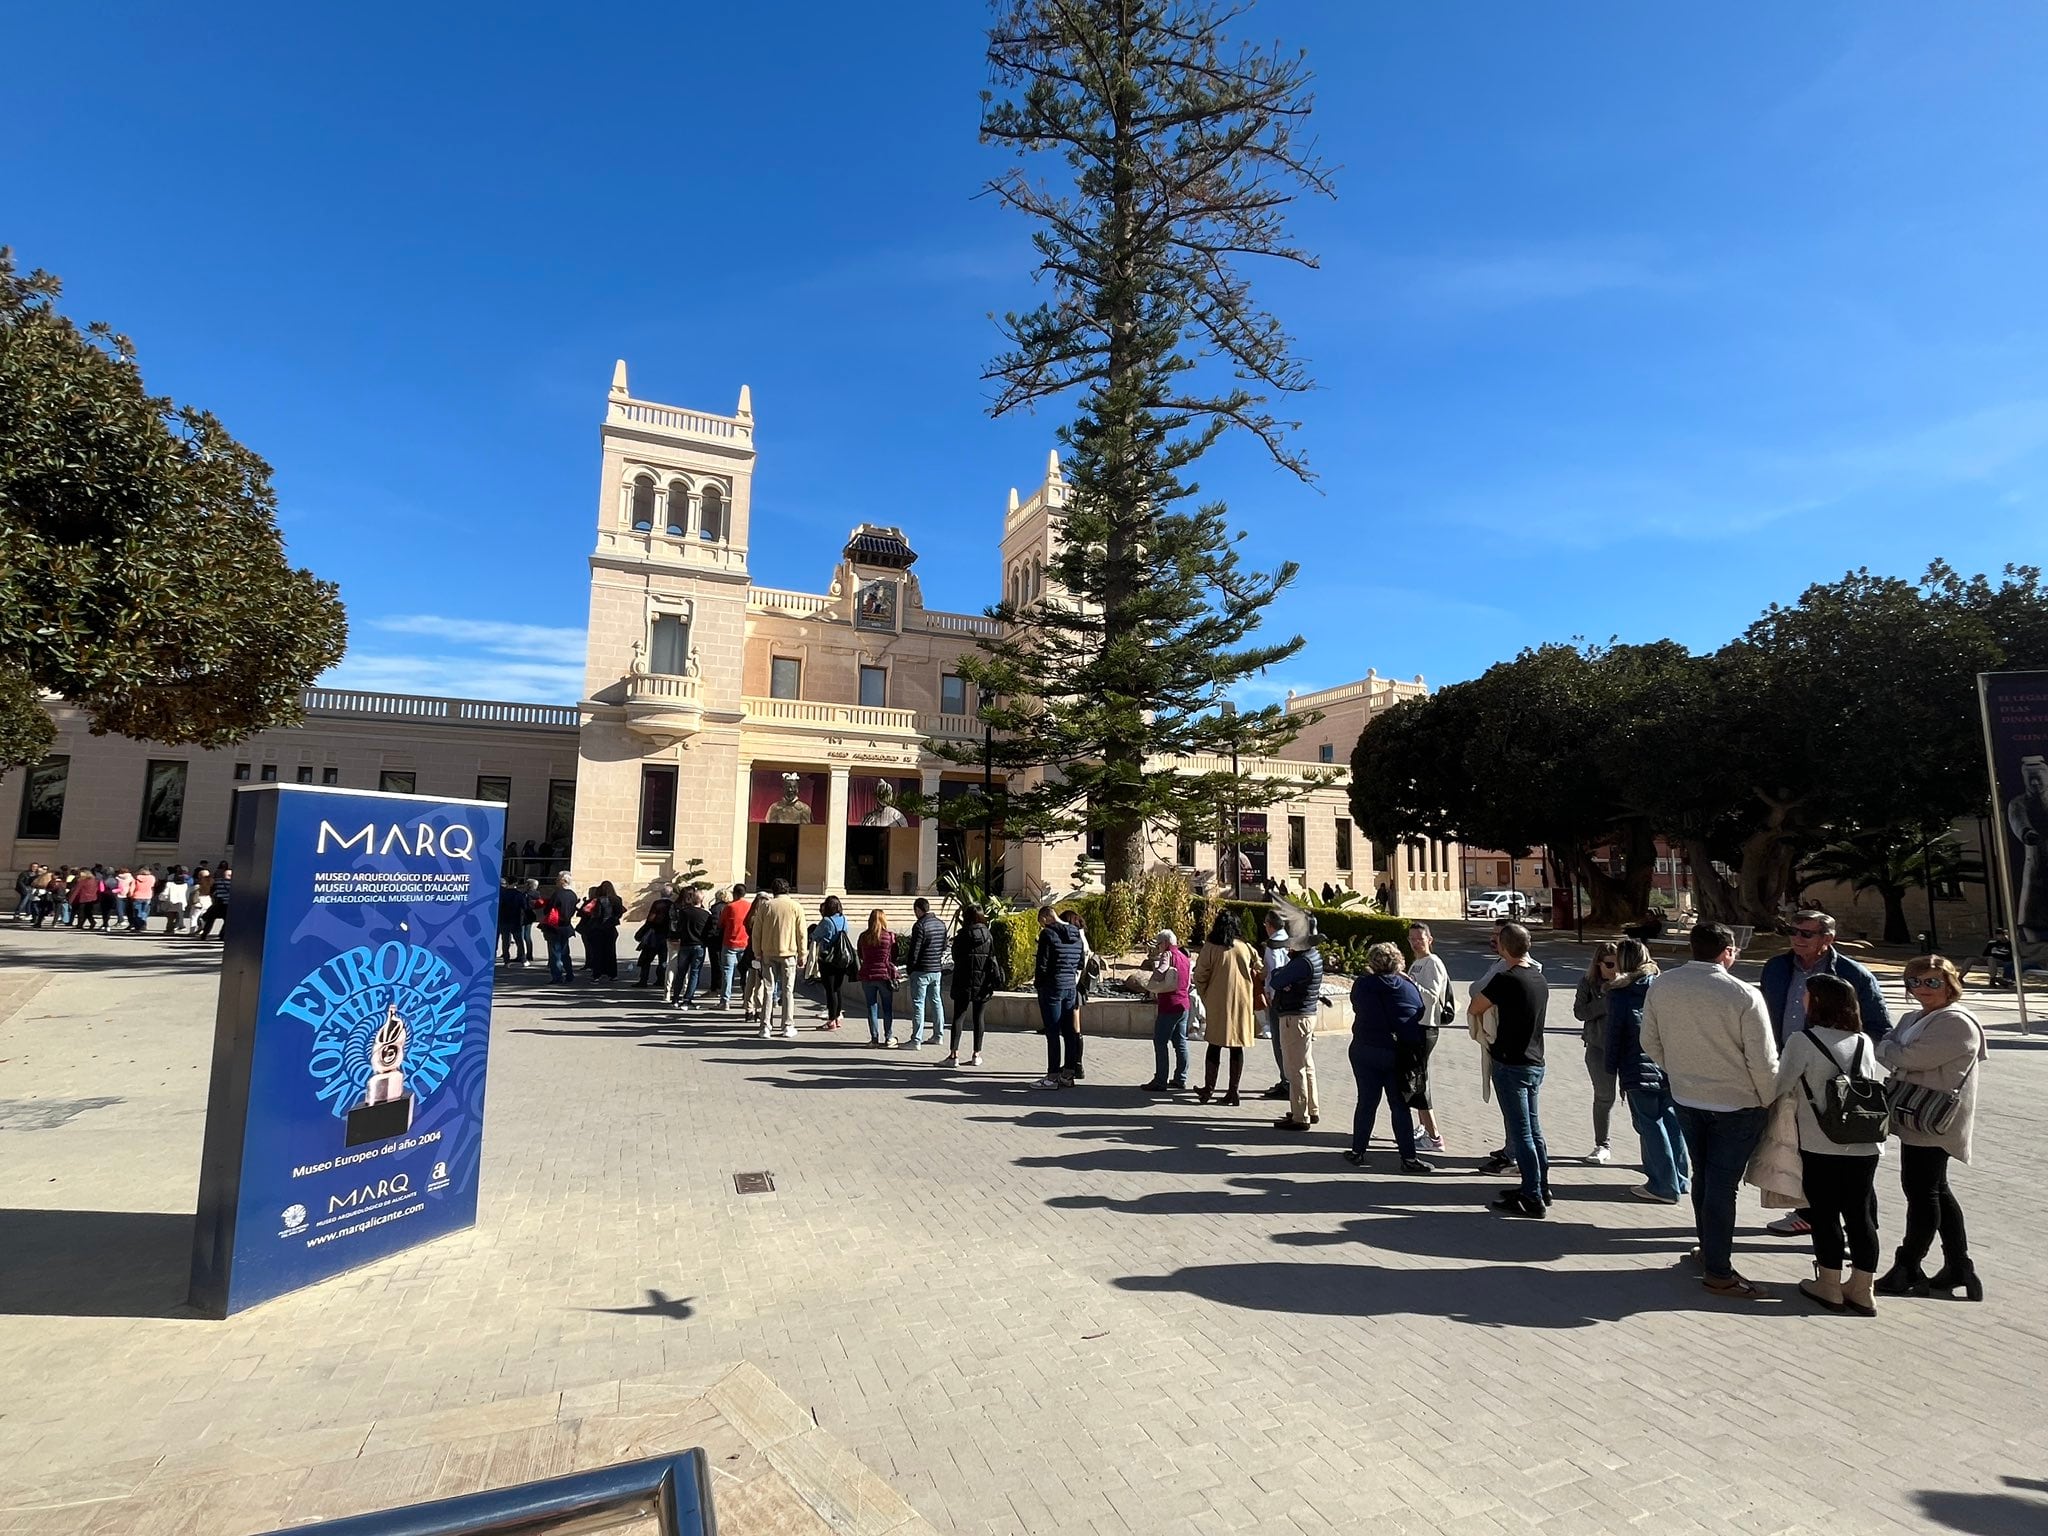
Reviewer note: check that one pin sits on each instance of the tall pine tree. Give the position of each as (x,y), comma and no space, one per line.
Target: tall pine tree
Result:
(1182,151)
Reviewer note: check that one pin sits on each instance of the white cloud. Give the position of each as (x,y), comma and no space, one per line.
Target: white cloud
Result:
(467,677)
(499,637)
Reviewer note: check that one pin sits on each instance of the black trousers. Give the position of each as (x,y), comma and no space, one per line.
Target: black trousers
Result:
(1840,1196)
(833,980)
(654,959)
(1930,1207)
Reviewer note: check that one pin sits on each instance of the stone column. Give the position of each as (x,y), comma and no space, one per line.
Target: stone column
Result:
(742,811)
(928,834)
(835,831)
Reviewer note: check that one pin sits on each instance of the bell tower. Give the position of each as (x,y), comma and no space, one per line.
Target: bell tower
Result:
(1032,531)
(665,647)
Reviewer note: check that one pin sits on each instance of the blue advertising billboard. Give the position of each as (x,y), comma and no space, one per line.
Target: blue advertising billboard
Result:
(346,1112)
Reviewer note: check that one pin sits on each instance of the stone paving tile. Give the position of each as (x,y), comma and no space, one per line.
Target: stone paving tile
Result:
(1024,1312)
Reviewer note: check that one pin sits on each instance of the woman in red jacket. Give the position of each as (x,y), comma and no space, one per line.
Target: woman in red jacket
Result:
(878,979)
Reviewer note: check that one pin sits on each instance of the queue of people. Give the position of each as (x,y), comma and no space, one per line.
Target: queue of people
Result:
(123,900)
(1777,1085)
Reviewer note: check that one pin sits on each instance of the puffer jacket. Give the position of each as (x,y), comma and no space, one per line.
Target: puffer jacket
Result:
(926,949)
(1626,1058)
(973,963)
(1058,968)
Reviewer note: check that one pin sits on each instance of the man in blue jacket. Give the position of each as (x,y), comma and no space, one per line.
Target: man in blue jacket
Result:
(1783,985)
(1057,976)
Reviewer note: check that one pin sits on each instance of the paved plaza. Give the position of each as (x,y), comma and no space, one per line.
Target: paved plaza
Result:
(1091,1311)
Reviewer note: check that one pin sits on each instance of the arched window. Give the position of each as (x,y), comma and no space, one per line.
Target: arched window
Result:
(712,519)
(643,504)
(1016,586)
(678,524)
(1037,578)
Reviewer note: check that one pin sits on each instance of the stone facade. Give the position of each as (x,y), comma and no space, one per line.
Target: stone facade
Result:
(456,748)
(707,698)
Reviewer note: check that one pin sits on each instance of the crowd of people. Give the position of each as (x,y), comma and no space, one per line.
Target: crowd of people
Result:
(191,902)
(1777,1085)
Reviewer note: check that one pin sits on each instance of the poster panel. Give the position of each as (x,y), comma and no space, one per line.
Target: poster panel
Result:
(2015,706)
(346,1112)
(780,799)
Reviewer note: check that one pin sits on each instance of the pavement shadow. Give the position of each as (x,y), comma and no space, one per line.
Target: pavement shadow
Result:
(1989,1514)
(119,953)
(95,1263)
(1485,1296)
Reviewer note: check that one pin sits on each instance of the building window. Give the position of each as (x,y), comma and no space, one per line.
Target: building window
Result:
(1098,843)
(658,805)
(678,524)
(42,798)
(495,787)
(643,505)
(1343,842)
(1326,753)
(712,513)
(270,773)
(163,802)
(670,652)
(785,678)
(397,781)
(303,774)
(330,775)
(952,694)
(874,687)
(1184,852)
(242,772)
(561,813)
(1297,842)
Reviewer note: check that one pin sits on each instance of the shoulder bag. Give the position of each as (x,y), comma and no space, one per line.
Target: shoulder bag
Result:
(1929,1111)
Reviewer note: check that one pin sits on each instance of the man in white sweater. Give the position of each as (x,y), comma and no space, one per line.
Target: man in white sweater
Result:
(1711,1034)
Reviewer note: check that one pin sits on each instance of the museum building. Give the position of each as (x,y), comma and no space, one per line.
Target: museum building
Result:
(767,732)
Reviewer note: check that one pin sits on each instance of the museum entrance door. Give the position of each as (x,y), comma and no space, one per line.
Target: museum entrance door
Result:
(867,860)
(777,856)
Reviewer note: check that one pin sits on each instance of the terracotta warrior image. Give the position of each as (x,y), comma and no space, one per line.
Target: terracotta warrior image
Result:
(2026,817)
(887,813)
(789,810)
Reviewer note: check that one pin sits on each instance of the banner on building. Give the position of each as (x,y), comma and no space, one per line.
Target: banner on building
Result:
(786,799)
(345,1118)
(874,802)
(2015,707)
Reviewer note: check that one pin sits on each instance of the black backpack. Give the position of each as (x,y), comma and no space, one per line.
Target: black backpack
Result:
(1856,1114)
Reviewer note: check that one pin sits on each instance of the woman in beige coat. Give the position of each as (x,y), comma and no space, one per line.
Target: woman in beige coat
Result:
(1227,975)
(1940,1048)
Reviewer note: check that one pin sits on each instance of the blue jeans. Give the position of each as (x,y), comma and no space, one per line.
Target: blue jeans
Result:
(926,984)
(881,997)
(1666,1168)
(732,964)
(683,975)
(560,966)
(138,913)
(1170,1029)
(1720,1141)
(1378,1071)
(1059,1013)
(1517,1089)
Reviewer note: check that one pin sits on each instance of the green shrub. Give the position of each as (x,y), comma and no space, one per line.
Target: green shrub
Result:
(1163,903)
(1017,932)
(1122,910)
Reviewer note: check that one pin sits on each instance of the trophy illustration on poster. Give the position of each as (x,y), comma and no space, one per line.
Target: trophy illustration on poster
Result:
(386,1110)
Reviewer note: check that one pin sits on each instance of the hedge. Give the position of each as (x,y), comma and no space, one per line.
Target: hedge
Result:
(1339,926)
(1018,931)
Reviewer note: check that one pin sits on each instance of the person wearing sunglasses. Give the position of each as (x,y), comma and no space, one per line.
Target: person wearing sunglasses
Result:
(1783,985)
(1589,1007)
(1941,1049)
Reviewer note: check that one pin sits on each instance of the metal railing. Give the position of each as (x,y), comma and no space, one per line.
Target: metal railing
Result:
(674,1490)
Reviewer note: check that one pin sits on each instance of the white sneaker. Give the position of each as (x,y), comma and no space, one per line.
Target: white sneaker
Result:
(1791,1224)
(789,1031)
(976,1060)
(1601,1154)
(889,1044)
(767,1033)
(1047,1084)
(1429,1143)
(1265,1033)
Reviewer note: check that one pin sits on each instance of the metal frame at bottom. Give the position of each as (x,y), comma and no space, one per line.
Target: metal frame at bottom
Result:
(675,1490)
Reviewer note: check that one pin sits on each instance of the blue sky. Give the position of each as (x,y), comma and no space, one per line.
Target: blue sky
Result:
(1630,319)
